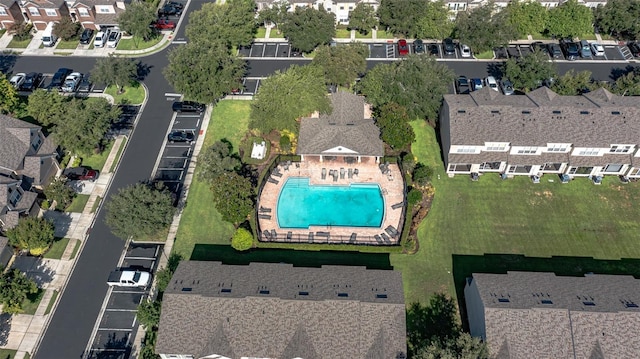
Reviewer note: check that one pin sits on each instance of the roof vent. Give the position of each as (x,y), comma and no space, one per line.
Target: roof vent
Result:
(462,111)
(343,295)
(615,112)
(381,296)
(264,292)
(526,112)
(557,112)
(584,112)
(225,290)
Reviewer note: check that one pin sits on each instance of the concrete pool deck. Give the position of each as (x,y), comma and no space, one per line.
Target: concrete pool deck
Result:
(391,185)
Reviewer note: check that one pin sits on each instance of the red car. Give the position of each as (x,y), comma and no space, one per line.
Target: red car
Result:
(80,174)
(403,48)
(164,24)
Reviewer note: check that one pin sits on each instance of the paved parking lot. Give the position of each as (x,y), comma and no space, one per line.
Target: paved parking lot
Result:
(268,50)
(117,324)
(124,124)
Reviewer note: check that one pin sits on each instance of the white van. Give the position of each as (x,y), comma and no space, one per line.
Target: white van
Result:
(48,38)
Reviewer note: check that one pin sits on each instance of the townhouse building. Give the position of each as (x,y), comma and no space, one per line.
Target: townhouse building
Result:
(10,13)
(591,135)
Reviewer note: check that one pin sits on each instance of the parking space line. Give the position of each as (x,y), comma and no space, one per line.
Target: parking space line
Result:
(143,258)
(263,48)
(188,116)
(120,310)
(141,291)
(115,329)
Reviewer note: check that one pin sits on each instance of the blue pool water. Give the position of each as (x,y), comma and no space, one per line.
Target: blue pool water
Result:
(301,205)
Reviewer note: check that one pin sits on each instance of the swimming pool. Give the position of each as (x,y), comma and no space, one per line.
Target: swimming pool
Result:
(301,205)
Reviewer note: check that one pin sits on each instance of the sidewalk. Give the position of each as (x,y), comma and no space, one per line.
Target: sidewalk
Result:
(24,331)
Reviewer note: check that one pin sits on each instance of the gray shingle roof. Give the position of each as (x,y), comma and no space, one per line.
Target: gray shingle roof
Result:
(211,308)
(345,128)
(596,119)
(541,315)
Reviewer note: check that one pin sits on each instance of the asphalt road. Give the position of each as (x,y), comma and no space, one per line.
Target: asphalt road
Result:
(71,325)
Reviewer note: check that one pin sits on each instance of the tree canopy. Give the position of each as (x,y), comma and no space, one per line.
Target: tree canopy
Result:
(66,29)
(149,313)
(483,29)
(14,289)
(285,96)
(136,19)
(307,28)
(417,83)
(627,84)
(115,71)
(45,106)
(215,160)
(619,18)
(140,211)
(570,19)
(573,83)
(363,18)
(204,73)
(275,14)
(233,195)
(8,96)
(242,240)
(528,72)
(58,190)
(231,23)
(434,22)
(393,121)
(32,234)
(342,64)
(527,17)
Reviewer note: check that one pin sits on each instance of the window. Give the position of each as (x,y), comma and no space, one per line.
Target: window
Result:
(613,168)
(557,112)
(466,149)
(526,112)
(546,301)
(14,196)
(557,147)
(350,7)
(584,112)
(33,11)
(51,12)
(503,300)
(589,152)
(83,12)
(527,150)
(580,170)
(3,11)
(495,146)
(104,9)
(620,149)
(341,7)
(36,143)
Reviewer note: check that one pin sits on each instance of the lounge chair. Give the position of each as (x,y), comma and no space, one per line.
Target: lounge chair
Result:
(393,232)
(355,171)
(274,235)
(335,176)
(266,234)
(385,238)
(324,173)
(378,239)
(352,239)
(342,172)
(323,234)
(264,216)
(272,180)
(350,173)
(397,205)
(289,235)
(265,210)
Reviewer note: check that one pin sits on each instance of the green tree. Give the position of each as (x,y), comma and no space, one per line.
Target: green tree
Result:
(233,195)
(115,71)
(14,289)
(342,64)
(307,28)
(80,129)
(276,14)
(66,29)
(483,29)
(231,23)
(148,313)
(216,160)
(58,190)
(363,18)
(619,18)
(422,174)
(527,72)
(140,211)
(163,276)
(136,18)
(570,19)
(573,83)
(46,106)
(204,73)
(417,83)
(21,30)
(286,96)
(627,84)
(434,23)
(526,16)
(242,240)
(32,234)
(393,121)
(8,96)
(464,347)
(433,323)
(401,16)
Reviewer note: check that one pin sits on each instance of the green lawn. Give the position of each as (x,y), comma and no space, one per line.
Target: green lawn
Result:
(15,44)
(96,204)
(118,154)
(588,37)
(137,43)
(367,36)
(275,34)
(51,302)
(487,55)
(381,34)
(30,305)
(67,45)
(343,33)
(261,33)
(78,203)
(7,353)
(133,95)
(57,248)
(96,161)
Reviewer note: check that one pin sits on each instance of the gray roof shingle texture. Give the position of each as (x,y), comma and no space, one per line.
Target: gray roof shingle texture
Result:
(283,323)
(565,327)
(345,127)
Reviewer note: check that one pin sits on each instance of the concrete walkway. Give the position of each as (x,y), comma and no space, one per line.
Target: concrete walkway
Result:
(22,332)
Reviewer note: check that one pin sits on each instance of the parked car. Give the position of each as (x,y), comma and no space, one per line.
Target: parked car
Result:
(114,37)
(86,36)
(434,49)
(188,106)
(540,46)
(85,84)
(555,51)
(169,10)
(492,83)
(101,38)
(462,85)
(507,87)
(585,49)
(17,80)
(597,49)
(80,174)
(31,81)
(476,84)
(59,77)
(403,48)
(180,136)
(634,47)
(571,49)
(164,24)
(175,4)
(449,46)
(71,82)
(128,278)
(465,51)
(418,46)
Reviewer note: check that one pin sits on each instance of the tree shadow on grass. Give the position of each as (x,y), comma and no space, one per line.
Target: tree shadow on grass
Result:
(299,258)
(465,265)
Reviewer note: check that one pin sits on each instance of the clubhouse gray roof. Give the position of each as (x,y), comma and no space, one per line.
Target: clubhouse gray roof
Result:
(596,119)
(345,128)
(281,311)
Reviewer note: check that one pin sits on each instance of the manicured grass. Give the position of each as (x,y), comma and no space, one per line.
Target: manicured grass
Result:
(588,37)
(30,305)
(75,250)
(57,248)
(343,33)
(381,34)
(275,34)
(118,154)
(539,36)
(487,55)
(7,353)
(96,161)
(133,95)
(137,43)
(65,45)
(367,36)
(78,203)
(51,302)
(229,120)
(96,204)
(261,33)
(515,217)
(16,44)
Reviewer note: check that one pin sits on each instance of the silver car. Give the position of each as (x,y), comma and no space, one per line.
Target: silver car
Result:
(507,87)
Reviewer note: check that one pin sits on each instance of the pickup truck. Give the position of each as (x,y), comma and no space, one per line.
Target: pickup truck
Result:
(128,278)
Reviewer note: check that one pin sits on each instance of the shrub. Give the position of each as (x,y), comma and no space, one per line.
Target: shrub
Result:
(21,31)
(242,240)
(414,196)
(285,144)
(422,174)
